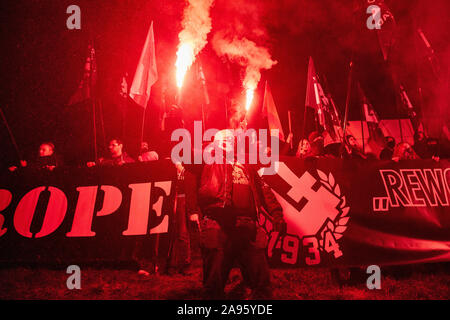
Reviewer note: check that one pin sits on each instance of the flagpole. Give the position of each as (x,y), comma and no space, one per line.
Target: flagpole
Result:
(205,92)
(102,124)
(347,102)
(304,124)
(95,129)
(93,94)
(362,129)
(290,128)
(349,87)
(13,140)
(123,103)
(401,129)
(145,76)
(143,126)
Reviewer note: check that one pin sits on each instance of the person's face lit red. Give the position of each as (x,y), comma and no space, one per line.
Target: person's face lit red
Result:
(115,148)
(303,147)
(45,150)
(352,142)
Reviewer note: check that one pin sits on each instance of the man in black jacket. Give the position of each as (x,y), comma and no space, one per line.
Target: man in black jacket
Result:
(230,195)
(46,159)
(117,156)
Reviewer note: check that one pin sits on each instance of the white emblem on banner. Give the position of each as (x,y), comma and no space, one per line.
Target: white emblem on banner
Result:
(319,220)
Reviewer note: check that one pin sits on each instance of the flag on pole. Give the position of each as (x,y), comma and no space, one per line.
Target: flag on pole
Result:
(312,98)
(415,120)
(375,133)
(386,32)
(315,96)
(369,113)
(146,72)
(325,109)
(87,84)
(270,111)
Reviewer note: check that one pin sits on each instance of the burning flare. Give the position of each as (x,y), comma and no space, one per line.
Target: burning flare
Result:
(249,93)
(193,38)
(247,54)
(185,58)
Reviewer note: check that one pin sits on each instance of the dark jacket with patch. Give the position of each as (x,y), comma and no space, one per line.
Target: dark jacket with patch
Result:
(215,185)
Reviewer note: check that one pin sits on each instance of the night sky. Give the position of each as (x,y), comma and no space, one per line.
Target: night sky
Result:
(43,64)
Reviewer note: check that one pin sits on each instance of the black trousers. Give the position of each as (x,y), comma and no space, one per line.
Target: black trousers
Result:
(223,248)
(180,249)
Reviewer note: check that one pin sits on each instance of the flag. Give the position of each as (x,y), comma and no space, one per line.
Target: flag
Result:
(270,111)
(375,133)
(86,87)
(314,93)
(326,112)
(312,99)
(415,120)
(369,113)
(146,73)
(386,32)
(335,121)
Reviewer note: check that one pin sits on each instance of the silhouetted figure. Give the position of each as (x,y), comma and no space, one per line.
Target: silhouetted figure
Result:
(179,258)
(353,151)
(426,148)
(317,144)
(388,151)
(421,146)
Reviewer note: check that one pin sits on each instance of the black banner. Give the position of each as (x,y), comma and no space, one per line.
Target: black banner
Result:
(361,212)
(339,213)
(84,214)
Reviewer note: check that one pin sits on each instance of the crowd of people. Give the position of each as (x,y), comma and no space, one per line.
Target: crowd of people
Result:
(222,201)
(423,148)
(312,147)
(47,157)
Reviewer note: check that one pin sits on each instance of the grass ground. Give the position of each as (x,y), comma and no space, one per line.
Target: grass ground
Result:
(411,283)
